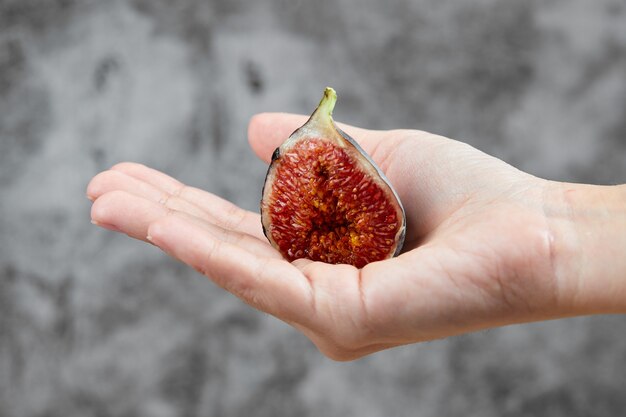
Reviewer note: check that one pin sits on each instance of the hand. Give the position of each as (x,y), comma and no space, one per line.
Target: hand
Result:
(487,245)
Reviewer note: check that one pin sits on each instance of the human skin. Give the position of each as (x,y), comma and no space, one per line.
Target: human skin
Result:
(487,245)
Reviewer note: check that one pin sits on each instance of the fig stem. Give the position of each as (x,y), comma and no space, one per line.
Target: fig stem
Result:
(327,104)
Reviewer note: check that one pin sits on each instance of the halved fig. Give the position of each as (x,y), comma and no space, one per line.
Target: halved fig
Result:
(326,200)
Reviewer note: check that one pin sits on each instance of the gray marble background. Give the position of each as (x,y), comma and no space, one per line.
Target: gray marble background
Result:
(95,324)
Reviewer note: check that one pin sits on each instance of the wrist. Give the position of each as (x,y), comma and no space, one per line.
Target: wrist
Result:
(588,225)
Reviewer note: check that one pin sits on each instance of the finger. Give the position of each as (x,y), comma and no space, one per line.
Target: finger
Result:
(150,176)
(266,131)
(221,211)
(271,285)
(111,180)
(108,181)
(126,213)
(242,240)
(226,214)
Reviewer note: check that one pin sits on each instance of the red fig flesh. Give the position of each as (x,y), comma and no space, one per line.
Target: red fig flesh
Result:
(324,199)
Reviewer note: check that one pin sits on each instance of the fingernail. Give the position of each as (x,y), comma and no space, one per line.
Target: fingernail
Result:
(106,226)
(90,198)
(149,238)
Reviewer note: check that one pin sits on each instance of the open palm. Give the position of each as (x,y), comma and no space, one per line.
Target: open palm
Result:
(477,252)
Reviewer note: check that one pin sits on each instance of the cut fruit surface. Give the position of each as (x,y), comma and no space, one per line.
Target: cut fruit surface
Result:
(324,199)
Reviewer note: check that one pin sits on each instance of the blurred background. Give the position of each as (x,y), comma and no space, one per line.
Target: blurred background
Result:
(95,324)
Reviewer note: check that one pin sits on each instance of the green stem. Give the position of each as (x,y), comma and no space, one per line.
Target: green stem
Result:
(327,104)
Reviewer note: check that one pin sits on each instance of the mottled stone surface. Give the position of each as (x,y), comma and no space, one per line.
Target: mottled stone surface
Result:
(94,324)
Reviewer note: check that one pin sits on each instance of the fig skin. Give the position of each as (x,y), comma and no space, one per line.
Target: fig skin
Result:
(326,200)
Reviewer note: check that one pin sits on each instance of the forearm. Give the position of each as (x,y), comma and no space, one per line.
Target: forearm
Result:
(588,225)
